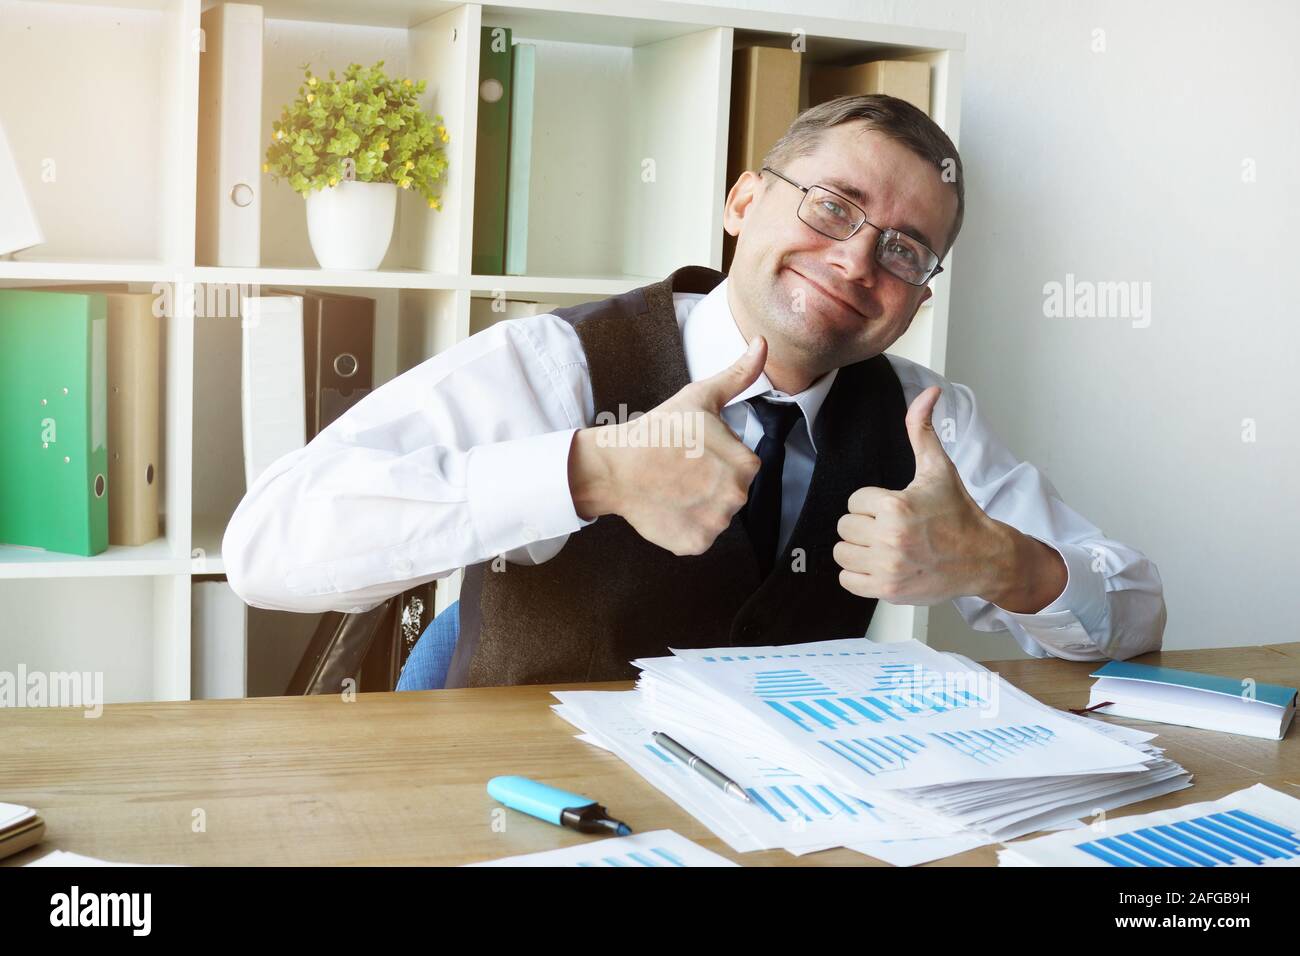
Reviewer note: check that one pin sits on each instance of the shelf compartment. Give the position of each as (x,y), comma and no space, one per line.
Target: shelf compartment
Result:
(100,138)
(435,50)
(629,143)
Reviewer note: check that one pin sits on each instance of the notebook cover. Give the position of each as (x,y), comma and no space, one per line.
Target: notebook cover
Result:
(764,102)
(228,223)
(28,833)
(523,77)
(54,420)
(272,388)
(338,355)
(906,79)
(134,426)
(1273,694)
(491,171)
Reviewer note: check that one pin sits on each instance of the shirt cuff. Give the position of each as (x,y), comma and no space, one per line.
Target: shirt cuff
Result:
(1072,625)
(519,491)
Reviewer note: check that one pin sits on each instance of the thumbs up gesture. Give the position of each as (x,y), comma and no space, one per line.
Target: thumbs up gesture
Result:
(926,543)
(678,495)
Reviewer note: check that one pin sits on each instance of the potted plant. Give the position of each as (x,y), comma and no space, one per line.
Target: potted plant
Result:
(347,145)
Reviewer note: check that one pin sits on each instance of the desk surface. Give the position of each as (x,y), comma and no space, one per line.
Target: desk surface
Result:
(401,778)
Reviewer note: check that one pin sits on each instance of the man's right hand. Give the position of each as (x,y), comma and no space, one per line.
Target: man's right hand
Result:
(680,498)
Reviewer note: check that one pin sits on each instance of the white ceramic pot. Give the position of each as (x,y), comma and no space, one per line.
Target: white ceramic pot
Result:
(351,224)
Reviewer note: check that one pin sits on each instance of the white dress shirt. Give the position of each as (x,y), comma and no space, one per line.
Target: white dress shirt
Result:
(465,458)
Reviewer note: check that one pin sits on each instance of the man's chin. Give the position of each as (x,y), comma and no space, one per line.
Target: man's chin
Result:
(824,343)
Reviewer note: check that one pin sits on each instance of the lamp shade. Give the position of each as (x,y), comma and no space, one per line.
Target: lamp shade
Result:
(18,226)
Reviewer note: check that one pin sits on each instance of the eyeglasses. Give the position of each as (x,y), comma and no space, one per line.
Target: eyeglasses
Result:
(835,217)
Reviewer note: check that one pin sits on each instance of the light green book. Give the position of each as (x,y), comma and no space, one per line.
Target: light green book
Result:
(491,167)
(521,156)
(54,420)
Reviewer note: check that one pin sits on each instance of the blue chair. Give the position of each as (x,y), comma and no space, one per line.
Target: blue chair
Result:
(426,667)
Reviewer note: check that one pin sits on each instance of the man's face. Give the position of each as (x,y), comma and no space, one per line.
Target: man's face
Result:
(822,303)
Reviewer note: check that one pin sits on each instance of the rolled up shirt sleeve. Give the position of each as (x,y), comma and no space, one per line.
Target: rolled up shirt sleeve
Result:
(456,461)
(1112,605)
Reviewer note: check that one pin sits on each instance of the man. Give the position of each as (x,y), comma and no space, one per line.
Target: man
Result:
(704,461)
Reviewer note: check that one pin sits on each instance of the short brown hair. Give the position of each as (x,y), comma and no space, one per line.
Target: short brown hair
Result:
(897,119)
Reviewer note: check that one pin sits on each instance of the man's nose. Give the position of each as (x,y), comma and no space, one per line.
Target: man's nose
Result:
(855,257)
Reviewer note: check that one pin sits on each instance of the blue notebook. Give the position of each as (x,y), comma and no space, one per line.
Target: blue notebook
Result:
(1192,699)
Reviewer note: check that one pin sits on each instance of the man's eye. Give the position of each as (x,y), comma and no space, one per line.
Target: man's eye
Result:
(835,209)
(901,251)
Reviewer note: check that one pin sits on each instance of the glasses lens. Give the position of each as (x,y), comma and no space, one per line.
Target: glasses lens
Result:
(905,257)
(828,213)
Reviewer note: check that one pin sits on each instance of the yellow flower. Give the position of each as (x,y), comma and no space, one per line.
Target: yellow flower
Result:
(405,184)
(311,97)
(406,82)
(266,167)
(333,181)
(409,164)
(311,81)
(383,145)
(444,136)
(434,204)
(279,134)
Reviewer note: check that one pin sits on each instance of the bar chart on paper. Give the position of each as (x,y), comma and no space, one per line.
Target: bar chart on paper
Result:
(658,848)
(796,798)
(789,806)
(1254,827)
(866,693)
(1233,838)
(898,715)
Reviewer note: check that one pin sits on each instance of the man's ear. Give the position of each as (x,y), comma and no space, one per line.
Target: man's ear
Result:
(742,194)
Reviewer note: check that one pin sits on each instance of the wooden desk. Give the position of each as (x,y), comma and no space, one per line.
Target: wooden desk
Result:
(401,778)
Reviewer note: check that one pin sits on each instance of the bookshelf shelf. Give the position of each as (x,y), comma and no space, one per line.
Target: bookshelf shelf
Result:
(153,558)
(619,83)
(25,271)
(327,278)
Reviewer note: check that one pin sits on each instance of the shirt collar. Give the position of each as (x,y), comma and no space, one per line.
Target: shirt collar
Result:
(712,341)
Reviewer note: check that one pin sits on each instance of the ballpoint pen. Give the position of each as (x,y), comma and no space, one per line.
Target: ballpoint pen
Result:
(698,764)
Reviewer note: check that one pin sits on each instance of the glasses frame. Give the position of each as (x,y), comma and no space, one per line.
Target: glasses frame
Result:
(863,221)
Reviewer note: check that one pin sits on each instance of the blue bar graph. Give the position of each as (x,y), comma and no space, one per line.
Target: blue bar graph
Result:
(994,744)
(1230,838)
(810,803)
(787,683)
(655,856)
(876,755)
(839,713)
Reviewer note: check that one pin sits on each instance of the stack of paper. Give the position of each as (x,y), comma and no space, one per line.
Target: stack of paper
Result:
(1257,826)
(895,750)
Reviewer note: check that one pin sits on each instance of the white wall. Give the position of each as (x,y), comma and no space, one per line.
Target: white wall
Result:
(1127,165)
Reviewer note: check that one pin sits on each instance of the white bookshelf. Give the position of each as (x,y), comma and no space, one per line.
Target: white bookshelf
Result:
(100,100)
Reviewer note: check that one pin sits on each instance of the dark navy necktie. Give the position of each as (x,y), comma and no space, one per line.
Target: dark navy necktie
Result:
(763,509)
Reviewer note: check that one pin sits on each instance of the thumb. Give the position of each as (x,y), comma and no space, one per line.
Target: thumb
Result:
(719,389)
(926,447)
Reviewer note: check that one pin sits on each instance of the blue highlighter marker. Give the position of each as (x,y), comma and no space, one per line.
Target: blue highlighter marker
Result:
(555,806)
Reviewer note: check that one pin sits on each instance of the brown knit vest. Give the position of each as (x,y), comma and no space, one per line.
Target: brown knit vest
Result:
(610,596)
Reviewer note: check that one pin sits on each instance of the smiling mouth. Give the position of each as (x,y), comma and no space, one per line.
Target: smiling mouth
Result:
(848,307)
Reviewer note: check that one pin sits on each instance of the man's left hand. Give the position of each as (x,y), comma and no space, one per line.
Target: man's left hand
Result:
(930,541)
